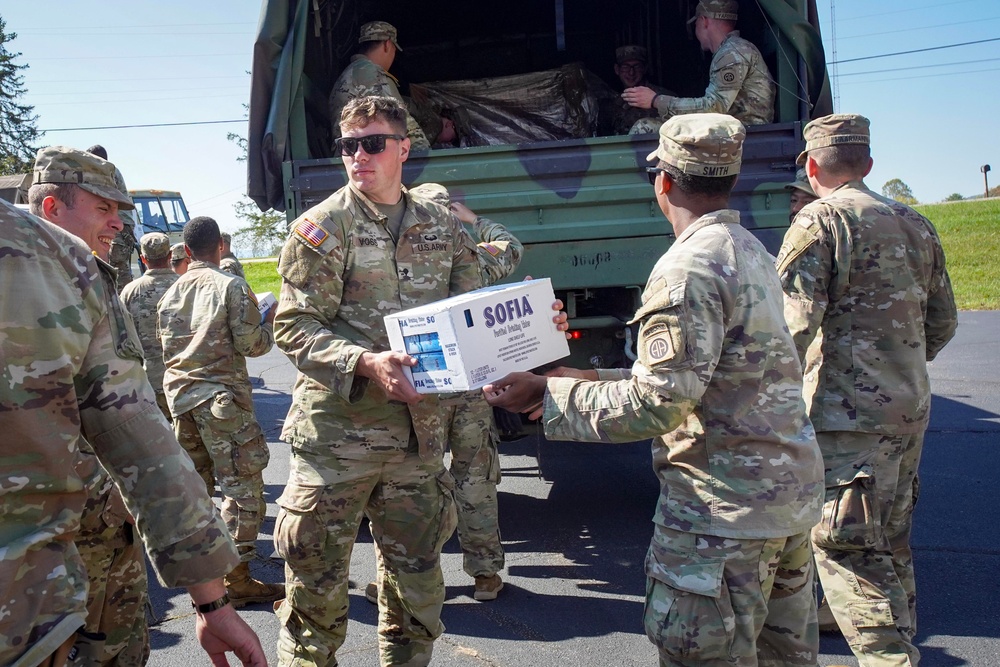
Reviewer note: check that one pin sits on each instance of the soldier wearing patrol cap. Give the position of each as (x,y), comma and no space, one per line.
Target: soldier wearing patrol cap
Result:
(801,193)
(717,383)
(631,63)
(140,298)
(866,276)
(78,192)
(230,263)
(179,259)
(739,83)
(125,241)
(368,74)
(71,373)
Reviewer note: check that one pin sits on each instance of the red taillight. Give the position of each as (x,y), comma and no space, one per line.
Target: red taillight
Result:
(575,335)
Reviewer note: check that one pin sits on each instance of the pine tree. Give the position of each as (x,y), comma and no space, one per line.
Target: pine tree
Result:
(18,132)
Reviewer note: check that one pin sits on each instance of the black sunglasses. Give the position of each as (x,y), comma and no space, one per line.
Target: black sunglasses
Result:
(373,144)
(652,172)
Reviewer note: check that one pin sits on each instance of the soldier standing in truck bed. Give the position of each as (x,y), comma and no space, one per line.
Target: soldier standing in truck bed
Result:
(368,74)
(738,81)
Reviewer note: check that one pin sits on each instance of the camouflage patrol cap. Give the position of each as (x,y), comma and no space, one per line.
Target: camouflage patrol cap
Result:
(716,9)
(834,130)
(433,191)
(60,164)
(801,182)
(379,31)
(177,252)
(154,245)
(630,52)
(702,144)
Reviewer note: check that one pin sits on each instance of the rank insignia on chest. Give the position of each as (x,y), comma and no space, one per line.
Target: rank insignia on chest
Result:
(311,232)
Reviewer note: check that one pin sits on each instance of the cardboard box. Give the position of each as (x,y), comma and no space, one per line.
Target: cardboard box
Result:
(467,341)
(265,302)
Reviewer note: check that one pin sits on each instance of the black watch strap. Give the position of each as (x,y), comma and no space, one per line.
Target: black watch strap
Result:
(212,606)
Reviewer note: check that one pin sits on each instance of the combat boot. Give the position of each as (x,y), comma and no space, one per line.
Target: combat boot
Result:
(487,587)
(244,589)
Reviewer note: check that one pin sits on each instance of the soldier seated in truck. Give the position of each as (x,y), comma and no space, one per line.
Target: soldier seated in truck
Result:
(739,83)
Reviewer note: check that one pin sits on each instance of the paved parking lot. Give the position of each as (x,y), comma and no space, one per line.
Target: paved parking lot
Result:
(575,520)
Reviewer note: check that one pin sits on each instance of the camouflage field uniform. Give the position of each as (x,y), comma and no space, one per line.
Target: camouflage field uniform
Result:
(111,553)
(354,452)
(363,77)
(54,315)
(208,324)
(622,115)
(866,275)
(738,84)
(140,298)
(124,243)
(717,383)
(231,265)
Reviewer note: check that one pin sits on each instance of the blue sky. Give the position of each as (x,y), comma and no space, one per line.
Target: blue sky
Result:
(112,63)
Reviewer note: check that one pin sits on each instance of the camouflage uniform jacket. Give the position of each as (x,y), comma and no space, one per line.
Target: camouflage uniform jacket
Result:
(867,276)
(738,84)
(104,514)
(499,251)
(208,324)
(623,115)
(140,298)
(363,77)
(341,273)
(717,383)
(65,376)
(230,264)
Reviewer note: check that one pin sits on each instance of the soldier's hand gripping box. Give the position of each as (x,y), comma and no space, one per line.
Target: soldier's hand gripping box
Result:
(467,341)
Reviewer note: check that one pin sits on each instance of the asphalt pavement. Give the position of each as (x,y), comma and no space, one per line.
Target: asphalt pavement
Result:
(575,520)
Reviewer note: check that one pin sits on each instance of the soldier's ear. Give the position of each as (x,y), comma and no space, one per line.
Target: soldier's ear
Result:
(869,169)
(51,207)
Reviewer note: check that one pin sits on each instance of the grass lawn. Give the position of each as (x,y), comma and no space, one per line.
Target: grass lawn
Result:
(262,274)
(970,233)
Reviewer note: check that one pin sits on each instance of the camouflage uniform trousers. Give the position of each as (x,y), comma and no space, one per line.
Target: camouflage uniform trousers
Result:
(120,256)
(229,449)
(646,126)
(862,543)
(410,506)
(713,601)
(475,465)
(116,630)
(161,402)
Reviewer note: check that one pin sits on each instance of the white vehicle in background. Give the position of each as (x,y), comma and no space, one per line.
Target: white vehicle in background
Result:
(158,211)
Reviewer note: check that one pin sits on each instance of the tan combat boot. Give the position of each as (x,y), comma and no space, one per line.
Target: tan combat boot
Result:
(487,587)
(244,589)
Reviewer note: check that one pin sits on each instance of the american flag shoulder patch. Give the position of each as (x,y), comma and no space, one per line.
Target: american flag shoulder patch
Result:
(490,248)
(311,232)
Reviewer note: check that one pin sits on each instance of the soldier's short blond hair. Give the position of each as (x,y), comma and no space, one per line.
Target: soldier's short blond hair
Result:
(362,111)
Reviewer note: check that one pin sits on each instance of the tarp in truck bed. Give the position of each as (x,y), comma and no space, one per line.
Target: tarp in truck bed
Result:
(285,100)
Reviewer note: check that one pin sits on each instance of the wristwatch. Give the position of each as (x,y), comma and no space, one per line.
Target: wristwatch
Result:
(211,606)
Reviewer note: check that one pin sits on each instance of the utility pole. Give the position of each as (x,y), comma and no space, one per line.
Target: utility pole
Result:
(986,181)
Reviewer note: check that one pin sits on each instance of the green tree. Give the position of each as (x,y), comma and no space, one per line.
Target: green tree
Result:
(954,196)
(898,190)
(265,230)
(18,132)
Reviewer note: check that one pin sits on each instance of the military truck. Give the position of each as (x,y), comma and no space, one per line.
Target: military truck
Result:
(157,211)
(582,205)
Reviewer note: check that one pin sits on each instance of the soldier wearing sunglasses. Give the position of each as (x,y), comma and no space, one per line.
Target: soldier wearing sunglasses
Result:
(363,441)
(368,74)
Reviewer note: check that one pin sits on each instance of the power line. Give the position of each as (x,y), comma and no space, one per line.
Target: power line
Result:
(137,100)
(168,55)
(926,27)
(923,76)
(900,69)
(113,28)
(165,78)
(124,127)
(911,9)
(903,53)
(130,91)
